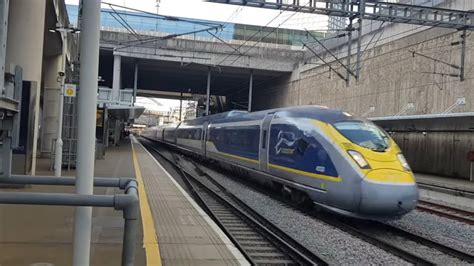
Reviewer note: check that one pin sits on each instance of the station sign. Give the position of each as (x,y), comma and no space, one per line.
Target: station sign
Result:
(70,90)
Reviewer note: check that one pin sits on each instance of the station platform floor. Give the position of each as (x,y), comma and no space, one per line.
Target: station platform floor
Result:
(43,235)
(186,235)
(446,182)
(173,231)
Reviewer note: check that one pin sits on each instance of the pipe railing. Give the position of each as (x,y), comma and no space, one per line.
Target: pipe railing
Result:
(127,202)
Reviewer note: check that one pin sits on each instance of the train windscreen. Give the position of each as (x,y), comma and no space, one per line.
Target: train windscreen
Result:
(364,134)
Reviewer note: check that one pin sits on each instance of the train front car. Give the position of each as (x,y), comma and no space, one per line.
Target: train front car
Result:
(388,187)
(344,164)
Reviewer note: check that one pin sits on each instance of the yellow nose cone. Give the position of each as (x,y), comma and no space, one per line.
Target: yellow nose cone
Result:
(390,176)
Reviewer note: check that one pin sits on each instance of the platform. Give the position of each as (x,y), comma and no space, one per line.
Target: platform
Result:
(45,233)
(452,183)
(186,235)
(173,231)
(454,192)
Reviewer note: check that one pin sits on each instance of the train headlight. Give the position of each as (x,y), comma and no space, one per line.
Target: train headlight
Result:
(359,159)
(403,161)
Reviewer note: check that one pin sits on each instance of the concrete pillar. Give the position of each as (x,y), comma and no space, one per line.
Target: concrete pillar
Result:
(208,91)
(250,91)
(135,84)
(50,103)
(117,132)
(25,48)
(180,106)
(117,77)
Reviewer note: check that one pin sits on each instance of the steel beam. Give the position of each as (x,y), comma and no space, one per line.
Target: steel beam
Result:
(58,153)
(463,55)
(359,37)
(349,52)
(64,181)
(63,199)
(379,11)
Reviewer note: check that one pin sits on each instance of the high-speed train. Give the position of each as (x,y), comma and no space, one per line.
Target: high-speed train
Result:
(339,162)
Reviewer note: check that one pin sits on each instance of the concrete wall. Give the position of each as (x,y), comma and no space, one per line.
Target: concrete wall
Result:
(390,79)
(439,153)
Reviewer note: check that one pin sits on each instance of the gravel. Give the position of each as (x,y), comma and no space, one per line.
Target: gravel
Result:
(336,246)
(446,231)
(422,251)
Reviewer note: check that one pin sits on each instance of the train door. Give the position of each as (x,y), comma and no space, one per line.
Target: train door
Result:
(264,141)
(205,130)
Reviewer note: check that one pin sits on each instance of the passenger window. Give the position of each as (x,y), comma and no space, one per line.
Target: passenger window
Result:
(264,139)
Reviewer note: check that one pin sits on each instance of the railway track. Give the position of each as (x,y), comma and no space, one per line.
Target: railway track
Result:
(423,241)
(261,242)
(446,211)
(367,230)
(347,225)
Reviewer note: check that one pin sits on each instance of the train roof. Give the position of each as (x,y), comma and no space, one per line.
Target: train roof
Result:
(313,112)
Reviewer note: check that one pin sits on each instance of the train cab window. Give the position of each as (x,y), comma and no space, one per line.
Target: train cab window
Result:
(301,146)
(364,134)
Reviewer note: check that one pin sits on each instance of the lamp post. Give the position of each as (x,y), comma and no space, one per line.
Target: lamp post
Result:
(62,76)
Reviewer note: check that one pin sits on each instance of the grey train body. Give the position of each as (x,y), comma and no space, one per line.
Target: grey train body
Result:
(284,147)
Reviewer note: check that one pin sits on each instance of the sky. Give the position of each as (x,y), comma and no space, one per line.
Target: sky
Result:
(165,105)
(220,12)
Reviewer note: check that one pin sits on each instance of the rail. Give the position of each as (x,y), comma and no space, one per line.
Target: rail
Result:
(457,214)
(127,202)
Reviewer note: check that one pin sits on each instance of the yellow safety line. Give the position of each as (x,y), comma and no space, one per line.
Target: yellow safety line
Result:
(150,242)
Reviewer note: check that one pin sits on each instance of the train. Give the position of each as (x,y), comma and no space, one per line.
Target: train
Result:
(336,161)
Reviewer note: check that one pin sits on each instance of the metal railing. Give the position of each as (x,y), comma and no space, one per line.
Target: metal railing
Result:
(128,202)
(106,96)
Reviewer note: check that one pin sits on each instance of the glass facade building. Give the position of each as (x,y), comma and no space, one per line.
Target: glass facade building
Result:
(230,31)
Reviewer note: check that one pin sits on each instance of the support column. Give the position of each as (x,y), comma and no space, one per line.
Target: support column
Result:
(87,105)
(135,84)
(208,91)
(117,77)
(180,105)
(25,48)
(250,91)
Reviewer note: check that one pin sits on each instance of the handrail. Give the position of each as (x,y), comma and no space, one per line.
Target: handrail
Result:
(128,203)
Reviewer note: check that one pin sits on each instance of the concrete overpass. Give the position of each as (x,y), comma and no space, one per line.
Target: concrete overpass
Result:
(182,65)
